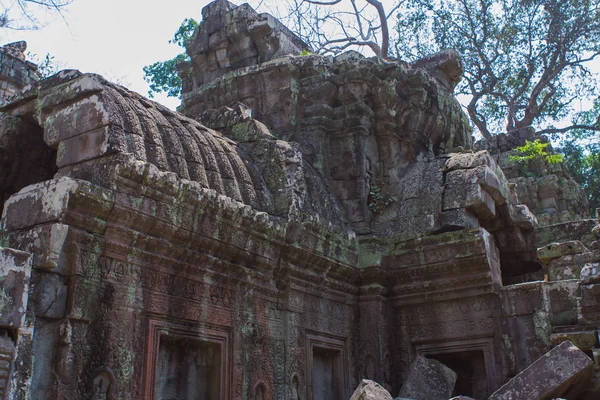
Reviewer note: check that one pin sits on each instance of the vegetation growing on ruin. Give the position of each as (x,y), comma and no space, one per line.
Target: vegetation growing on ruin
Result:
(535,150)
(162,75)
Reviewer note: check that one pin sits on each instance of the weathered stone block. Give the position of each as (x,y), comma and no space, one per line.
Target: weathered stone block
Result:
(51,201)
(88,114)
(250,131)
(522,299)
(370,390)
(446,66)
(556,250)
(428,380)
(84,85)
(522,217)
(585,340)
(458,218)
(93,144)
(47,245)
(51,295)
(590,273)
(563,371)
(469,160)
(561,301)
(15,275)
(472,197)
(492,180)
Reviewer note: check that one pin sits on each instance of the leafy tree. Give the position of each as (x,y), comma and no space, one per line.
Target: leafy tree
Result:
(162,75)
(526,61)
(584,165)
(535,150)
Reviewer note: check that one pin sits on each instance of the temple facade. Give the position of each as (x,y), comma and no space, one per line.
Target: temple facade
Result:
(301,223)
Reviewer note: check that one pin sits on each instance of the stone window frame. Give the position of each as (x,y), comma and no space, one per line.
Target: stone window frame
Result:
(198,332)
(485,345)
(326,342)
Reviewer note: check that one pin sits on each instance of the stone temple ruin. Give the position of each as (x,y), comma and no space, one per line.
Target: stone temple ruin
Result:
(302,223)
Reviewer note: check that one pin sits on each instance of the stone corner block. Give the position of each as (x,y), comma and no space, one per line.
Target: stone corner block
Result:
(15,274)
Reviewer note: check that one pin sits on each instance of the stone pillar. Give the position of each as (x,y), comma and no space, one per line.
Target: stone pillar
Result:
(374,353)
(15,334)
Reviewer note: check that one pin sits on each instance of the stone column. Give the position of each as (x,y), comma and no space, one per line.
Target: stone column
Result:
(374,353)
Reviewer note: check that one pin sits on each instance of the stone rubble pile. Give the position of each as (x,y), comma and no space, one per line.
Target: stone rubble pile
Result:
(563,371)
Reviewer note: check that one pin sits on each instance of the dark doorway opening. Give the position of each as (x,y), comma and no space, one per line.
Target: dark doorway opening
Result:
(25,158)
(188,370)
(470,370)
(326,374)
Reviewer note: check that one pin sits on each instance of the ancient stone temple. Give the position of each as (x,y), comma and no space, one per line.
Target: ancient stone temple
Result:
(303,222)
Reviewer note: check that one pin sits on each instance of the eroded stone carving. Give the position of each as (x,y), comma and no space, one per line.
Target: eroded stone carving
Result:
(308,221)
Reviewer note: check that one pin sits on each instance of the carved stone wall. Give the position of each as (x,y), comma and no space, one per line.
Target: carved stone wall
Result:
(15,71)
(309,222)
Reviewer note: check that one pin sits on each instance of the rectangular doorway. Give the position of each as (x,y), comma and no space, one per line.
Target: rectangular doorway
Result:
(188,369)
(326,374)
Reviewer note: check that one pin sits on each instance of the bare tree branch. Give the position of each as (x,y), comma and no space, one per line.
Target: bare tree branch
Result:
(332,26)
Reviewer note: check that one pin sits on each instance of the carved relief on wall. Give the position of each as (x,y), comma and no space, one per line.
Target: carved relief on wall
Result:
(467,317)
(102,385)
(7,350)
(328,315)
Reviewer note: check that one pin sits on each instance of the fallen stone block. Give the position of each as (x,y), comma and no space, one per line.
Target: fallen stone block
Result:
(564,371)
(428,380)
(370,390)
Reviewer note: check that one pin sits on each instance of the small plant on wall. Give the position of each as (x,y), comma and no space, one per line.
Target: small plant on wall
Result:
(535,150)
(376,201)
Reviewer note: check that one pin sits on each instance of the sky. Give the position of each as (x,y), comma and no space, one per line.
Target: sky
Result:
(115,38)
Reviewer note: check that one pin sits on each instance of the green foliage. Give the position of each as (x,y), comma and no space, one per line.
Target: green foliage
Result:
(184,33)
(525,62)
(376,201)
(535,150)
(162,75)
(48,66)
(305,53)
(163,78)
(583,160)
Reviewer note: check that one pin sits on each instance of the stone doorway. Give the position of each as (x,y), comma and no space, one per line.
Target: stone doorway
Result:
(326,374)
(470,370)
(472,359)
(188,370)
(326,368)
